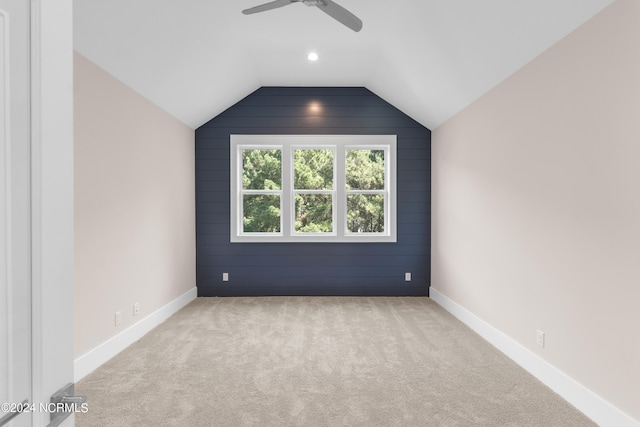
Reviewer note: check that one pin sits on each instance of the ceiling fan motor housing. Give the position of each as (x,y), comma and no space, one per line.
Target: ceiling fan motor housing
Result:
(314,2)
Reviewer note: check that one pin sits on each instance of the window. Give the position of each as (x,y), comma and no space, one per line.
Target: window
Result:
(313,188)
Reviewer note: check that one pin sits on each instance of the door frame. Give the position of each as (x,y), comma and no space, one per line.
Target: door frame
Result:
(51,200)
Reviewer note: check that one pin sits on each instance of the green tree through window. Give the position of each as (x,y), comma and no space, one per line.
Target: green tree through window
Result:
(365,176)
(313,187)
(261,170)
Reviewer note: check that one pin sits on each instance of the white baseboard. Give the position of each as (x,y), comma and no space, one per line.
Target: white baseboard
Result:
(91,360)
(593,406)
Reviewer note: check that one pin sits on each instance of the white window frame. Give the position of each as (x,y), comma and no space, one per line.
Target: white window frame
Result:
(339,143)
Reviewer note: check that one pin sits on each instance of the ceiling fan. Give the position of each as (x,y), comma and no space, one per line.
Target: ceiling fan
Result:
(332,9)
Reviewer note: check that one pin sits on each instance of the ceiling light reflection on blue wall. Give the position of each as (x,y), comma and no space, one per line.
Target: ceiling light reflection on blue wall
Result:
(314,107)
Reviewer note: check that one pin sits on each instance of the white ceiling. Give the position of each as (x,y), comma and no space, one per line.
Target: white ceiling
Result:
(429,58)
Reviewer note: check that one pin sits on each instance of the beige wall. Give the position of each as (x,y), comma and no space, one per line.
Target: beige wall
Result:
(134,206)
(536,206)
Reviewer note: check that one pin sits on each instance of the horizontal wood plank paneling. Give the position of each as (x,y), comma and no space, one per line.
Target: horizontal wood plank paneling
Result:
(313,127)
(313,268)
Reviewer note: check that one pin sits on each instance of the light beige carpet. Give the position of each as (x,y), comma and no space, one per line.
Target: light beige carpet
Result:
(317,361)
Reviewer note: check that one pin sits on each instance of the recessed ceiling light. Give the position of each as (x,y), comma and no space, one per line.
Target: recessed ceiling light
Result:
(312,56)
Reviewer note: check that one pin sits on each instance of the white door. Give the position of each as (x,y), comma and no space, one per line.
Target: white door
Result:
(15,213)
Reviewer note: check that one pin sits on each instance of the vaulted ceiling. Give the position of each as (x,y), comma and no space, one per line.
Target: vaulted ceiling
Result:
(429,58)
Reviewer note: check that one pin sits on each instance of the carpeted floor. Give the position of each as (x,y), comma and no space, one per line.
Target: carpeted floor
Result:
(317,361)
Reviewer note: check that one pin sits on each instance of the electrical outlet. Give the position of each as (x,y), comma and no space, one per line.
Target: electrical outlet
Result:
(407,277)
(225,277)
(540,338)
(136,308)
(118,317)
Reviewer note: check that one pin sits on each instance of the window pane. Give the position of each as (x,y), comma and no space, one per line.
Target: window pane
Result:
(262,169)
(314,213)
(261,213)
(365,213)
(365,169)
(313,169)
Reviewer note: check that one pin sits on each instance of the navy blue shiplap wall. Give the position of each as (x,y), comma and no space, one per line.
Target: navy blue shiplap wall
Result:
(312,268)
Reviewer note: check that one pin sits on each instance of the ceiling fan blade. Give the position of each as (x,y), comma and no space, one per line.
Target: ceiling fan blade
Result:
(268,6)
(340,14)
